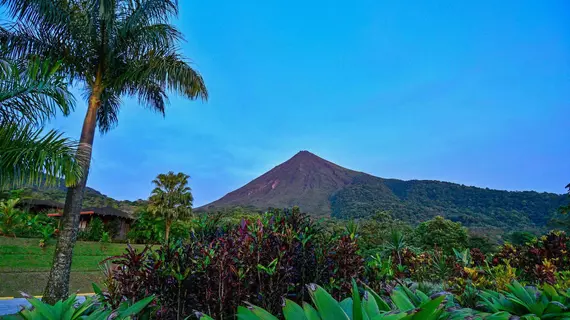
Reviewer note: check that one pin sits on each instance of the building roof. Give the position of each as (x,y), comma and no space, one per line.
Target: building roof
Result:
(109,211)
(42,203)
(99,211)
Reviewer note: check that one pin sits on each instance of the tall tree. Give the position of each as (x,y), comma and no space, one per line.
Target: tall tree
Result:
(441,233)
(171,199)
(114,48)
(32,92)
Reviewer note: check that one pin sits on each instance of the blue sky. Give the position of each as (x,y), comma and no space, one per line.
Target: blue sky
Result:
(471,92)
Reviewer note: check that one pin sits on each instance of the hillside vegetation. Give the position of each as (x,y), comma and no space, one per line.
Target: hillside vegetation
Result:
(415,201)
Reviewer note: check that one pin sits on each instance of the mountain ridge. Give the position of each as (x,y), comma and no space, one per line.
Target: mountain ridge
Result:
(322,188)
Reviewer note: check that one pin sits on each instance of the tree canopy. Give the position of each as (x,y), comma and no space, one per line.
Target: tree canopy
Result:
(171,199)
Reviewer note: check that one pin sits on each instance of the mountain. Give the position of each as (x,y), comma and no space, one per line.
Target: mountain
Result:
(305,180)
(323,188)
(92,197)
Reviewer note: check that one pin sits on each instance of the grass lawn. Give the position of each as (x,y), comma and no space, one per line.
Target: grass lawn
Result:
(24,266)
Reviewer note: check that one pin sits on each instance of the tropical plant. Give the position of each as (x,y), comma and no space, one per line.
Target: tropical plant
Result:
(95,229)
(171,198)
(441,233)
(528,302)
(259,260)
(114,48)
(367,306)
(46,232)
(105,239)
(10,217)
(32,92)
(146,228)
(396,245)
(88,310)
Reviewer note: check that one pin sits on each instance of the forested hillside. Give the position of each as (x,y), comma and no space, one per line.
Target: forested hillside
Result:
(420,200)
(92,198)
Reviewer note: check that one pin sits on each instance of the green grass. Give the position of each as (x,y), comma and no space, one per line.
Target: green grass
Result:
(24,266)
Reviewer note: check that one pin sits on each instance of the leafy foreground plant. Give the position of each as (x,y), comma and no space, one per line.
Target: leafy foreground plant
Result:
(88,310)
(529,302)
(369,306)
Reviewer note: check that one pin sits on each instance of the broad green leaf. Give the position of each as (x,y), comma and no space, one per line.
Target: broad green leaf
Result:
(554,307)
(401,301)
(310,312)
(499,316)
(423,297)
(293,311)
(428,310)
(382,305)
(411,296)
(137,307)
(244,313)
(327,306)
(347,306)
(356,303)
(79,312)
(43,308)
(391,316)
(370,305)
(564,316)
(99,315)
(96,289)
(261,313)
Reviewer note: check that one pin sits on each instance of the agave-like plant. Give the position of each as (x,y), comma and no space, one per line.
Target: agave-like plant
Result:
(369,306)
(528,302)
(88,310)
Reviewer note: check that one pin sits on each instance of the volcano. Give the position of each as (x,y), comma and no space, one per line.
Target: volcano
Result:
(322,188)
(305,180)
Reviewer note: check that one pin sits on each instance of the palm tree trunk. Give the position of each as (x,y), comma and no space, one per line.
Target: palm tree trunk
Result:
(167,230)
(58,282)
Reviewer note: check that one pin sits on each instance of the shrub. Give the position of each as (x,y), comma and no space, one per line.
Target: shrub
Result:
(94,231)
(258,260)
(441,233)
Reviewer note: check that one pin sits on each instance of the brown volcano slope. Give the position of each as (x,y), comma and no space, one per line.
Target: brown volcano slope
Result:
(305,180)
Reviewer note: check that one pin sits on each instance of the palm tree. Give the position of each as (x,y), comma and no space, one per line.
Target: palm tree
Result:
(396,244)
(171,199)
(114,48)
(30,93)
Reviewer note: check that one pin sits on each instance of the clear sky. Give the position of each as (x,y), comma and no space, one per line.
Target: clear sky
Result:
(473,92)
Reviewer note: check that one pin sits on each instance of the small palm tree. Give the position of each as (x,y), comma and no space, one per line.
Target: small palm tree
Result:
(171,199)
(396,244)
(114,48)
(30,93)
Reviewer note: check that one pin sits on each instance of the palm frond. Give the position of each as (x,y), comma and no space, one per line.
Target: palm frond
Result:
(31,157)
(33,92)
(146,38)
(149,12)
(48,15)
(108,112)
(167,69)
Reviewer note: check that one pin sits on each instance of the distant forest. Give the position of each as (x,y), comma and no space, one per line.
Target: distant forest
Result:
(416,201)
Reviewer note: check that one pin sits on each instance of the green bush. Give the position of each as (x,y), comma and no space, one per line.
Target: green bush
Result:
(94,231)
(441,233)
